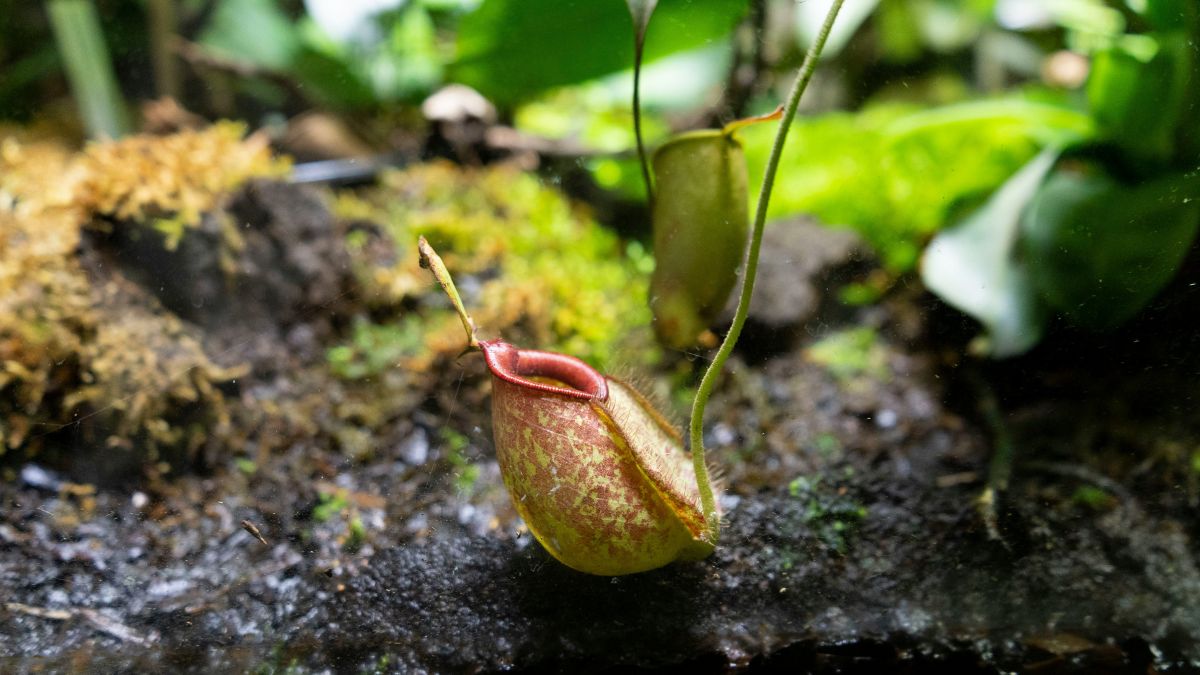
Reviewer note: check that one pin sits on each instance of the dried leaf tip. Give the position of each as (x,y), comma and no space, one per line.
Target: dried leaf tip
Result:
(431,261)
(773,116)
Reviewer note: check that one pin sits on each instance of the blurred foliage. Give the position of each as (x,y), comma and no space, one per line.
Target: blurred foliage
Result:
(366,54)
(593,118)
(1099,250)
(34,70)
(907,26)
(1138,98)
(84,51)
(532,267)
(975,267)
(513,48)
(896,173)
(1103,231)
(585,115)
(386,55)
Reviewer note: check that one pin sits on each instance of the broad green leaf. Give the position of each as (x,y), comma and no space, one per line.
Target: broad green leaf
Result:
(332,81)
(898,174)
(1043,122)
(810,15)
(1138,101)
(1098,250)
(1170,14)
(974,267)
(254,31)
(509,49)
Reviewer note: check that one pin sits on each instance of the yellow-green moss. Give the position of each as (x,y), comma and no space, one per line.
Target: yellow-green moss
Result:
(98,351)
(552,278)
(850,354)
(168,182)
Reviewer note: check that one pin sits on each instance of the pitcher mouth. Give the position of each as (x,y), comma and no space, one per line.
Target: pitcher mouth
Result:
(567,375)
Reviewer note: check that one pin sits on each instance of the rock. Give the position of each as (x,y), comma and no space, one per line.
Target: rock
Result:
(295,262)
(902,593)
(801,266)
(247,275)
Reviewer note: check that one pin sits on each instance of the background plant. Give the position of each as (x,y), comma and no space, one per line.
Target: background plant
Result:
(946,100)
(1096,225)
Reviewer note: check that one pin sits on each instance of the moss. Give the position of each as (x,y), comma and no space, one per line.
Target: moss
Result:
(330,505)
(537,269)
(850,354)
(1093,498)
(830,513)
(45,302)
(465,473)
(86,351)
(375,348)
(168,182)
(335,509)
(82,348)
(145,379)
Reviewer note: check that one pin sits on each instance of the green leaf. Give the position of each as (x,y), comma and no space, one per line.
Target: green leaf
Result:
(898,174)
(332,81)
(253,31)
(1170,14)
(509,49)
(80,39)
(1098,251)
(1138,101)
(810,15)
(974,268)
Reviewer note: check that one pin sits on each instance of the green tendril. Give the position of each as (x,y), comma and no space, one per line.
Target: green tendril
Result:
(707,499)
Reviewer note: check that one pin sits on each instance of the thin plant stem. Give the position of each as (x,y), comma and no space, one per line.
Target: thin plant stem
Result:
(161,20)
(708,500)
(638,47)
(1000,467)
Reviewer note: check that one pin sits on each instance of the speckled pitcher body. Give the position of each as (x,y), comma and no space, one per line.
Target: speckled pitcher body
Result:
(599,476)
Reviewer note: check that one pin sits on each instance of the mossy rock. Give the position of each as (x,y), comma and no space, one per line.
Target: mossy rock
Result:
(534,267)
(92,364)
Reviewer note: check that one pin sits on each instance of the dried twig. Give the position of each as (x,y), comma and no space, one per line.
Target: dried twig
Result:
(253,530)
(99,621)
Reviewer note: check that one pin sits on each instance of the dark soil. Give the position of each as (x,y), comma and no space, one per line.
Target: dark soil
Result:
(852,542)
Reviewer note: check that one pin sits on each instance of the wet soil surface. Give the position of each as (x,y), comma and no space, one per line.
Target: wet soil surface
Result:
(853,542)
